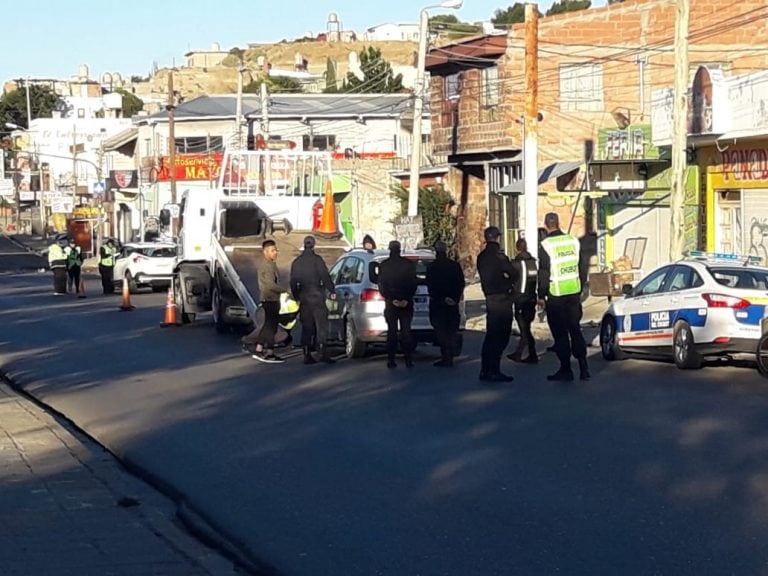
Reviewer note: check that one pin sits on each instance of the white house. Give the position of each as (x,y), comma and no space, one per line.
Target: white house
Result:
(391,32)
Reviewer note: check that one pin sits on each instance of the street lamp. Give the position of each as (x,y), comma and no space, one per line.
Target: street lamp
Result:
(418,105)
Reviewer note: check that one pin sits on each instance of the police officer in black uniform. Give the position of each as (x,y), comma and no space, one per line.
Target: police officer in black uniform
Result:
(310,283)
(525,303)
(497,277)
(397,284)
(445,281)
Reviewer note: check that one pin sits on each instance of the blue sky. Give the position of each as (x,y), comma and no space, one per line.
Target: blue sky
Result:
(50,38)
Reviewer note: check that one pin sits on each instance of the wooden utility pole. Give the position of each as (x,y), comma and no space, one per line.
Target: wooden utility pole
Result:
(679,132)
(531,127)
(171,106)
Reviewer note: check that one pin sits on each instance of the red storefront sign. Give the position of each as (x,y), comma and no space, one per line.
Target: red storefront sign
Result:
(191,167)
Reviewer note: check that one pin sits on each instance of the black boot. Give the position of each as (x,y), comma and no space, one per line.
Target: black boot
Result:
(308,358)
(584,369)
(325,356)
(565,374)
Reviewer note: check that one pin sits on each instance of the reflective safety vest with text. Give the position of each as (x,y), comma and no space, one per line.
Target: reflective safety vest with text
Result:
(563,252)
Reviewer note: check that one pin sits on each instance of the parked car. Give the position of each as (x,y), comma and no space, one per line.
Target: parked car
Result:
(145,264)
(356,316)
(707,304)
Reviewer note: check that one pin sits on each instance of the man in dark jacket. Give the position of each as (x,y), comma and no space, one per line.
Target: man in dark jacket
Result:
(269,296)
(445,281)
(310,284)
(525,303)
(497,277)
(397,284)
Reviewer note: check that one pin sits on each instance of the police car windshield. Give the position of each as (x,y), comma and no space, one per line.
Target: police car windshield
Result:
(741,278)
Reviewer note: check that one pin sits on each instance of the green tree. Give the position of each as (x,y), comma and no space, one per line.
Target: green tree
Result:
(131,102)
(444,19)
(435,209)
(512,15)
(274,84)
(378,77)
(563,6)
(331,83)
(615,2)
(13,104)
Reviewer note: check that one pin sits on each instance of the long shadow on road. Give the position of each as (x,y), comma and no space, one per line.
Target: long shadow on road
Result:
(353,469)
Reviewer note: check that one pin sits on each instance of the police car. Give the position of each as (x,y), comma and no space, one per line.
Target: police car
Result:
(707,304)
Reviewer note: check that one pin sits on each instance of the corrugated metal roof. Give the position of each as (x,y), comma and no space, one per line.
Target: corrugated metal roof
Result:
(291,106)
(121,139)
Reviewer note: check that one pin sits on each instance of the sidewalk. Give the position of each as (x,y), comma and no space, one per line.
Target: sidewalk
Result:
(68,508)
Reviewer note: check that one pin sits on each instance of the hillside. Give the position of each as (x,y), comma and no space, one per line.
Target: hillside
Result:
(192,82)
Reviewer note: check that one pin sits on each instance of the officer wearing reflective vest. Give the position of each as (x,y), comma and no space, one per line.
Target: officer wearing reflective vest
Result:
(57,262)
(560,285)
(107,266)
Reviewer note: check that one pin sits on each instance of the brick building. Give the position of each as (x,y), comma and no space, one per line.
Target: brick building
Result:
(597,71)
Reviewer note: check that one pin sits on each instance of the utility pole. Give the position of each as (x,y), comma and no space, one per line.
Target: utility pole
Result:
(531,125)
(267,171)
(239,107)
(29,105)
(418,108)
(171,106)
(679,132)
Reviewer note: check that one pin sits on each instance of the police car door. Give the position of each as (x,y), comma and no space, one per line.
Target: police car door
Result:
(646,320)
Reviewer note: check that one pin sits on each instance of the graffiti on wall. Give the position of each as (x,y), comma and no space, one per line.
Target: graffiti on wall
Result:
(758,238)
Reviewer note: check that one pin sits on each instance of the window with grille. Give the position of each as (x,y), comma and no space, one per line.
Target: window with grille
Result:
(319,142)
(581,87)
(199,144)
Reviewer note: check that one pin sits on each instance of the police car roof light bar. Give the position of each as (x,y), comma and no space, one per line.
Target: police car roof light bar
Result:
(722,257)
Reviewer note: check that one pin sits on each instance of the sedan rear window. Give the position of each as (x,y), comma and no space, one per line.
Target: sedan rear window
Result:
(421,268)
(744,278)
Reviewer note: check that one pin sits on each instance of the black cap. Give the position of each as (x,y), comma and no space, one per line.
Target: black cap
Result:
(395,247)
(552,220)
(309,242)
(441,247)
(491,234)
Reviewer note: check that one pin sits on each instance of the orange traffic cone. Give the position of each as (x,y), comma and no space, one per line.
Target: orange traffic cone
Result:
(329,227)
(81,292)
(126,305)
(170,310)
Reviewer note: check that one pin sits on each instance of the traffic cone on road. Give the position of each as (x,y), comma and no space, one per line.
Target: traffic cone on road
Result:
(329,226)
(126,306)
(170,309)
(81,291)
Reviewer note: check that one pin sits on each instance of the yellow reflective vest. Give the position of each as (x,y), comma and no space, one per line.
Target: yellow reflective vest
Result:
(563,251)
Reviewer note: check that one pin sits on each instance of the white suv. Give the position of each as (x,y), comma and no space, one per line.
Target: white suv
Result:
(145,264)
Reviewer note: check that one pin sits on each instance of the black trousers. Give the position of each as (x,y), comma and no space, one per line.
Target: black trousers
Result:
(107,284)
(402,318)
(73,272)
(499,316)
(524,315)
(445,321)
(60,280)
(271,315)
(313,314)
(564,318)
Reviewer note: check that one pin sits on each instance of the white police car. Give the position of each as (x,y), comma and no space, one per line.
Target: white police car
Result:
(707,304)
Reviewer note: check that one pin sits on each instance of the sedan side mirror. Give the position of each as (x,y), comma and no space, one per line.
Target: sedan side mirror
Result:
(627,290)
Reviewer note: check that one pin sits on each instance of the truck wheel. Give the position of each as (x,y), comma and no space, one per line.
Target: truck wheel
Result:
(217,306)
(684,348)
(353,347)
(186,317)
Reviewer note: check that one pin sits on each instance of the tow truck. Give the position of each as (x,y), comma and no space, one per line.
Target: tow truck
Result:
(260,194)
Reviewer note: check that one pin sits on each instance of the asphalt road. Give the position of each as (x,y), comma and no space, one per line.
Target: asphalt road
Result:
(356,470)
(16,258)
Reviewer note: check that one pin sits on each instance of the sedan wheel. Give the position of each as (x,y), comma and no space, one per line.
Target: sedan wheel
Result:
(683,347)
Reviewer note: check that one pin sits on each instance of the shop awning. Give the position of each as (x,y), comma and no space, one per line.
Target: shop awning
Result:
(554,170)
(121,139)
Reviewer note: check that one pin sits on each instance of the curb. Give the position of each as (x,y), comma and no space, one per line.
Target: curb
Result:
(195,522)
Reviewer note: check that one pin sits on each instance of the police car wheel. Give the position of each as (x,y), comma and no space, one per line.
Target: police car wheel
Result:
(762,356)
(609,346)
(684,348)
